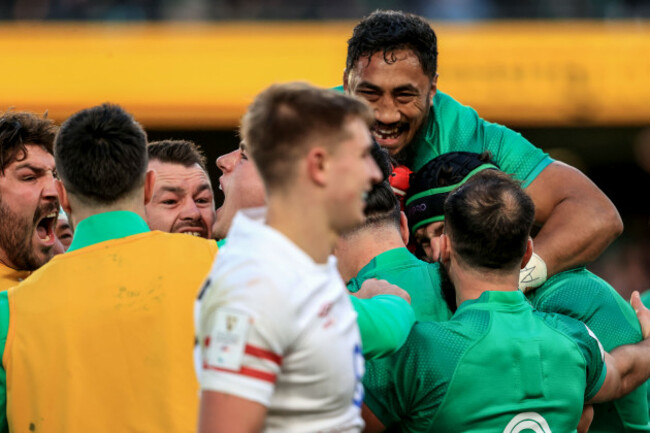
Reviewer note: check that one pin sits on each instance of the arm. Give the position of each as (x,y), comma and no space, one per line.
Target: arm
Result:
(373,424)
(586,418)
(627,366)
(226,413)
(385,319)
(578,221)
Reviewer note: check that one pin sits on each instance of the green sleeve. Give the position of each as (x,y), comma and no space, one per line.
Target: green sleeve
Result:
(592,351)
(4,329)
(384,323)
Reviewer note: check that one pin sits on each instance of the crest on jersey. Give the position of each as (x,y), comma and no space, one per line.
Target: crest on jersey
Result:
(527,421)
(231,322)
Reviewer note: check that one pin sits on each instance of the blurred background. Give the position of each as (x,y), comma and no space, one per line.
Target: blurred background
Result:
(573,76)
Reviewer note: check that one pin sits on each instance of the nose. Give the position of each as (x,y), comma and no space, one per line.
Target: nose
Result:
(190,211)
(226,162)
(374,172)
(386,111)
(49,191)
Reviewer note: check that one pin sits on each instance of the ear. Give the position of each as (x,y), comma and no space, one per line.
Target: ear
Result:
(63,196)
(528,253)
(346,85)
(317,165)
(149,180)
(434,87)
(445,248)
(404,227)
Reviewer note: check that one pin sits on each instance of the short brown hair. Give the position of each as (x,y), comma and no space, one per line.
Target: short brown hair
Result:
(183,152)
(284,118)
(18,129)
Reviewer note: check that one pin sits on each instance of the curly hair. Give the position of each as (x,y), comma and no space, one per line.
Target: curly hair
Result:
(388,31)
(19,129)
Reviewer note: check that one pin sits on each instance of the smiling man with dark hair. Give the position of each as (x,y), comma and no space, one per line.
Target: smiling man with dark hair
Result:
(182,200)
(392,63)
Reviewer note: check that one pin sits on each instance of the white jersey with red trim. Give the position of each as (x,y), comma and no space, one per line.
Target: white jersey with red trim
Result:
(279,329)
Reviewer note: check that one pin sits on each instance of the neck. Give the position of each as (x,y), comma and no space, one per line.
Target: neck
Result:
(470,283)
(80,210)
(4,259)
(303,222)
(357,249)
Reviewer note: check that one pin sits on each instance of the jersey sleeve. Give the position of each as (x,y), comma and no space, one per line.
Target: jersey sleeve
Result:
(384,324)
(593,353)
(459,128)
(243,335)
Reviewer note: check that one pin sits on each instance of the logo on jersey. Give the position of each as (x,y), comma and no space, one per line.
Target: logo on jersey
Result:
(231,322)
(527,421)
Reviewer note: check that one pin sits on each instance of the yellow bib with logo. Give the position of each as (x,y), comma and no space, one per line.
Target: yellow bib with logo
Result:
(101,339)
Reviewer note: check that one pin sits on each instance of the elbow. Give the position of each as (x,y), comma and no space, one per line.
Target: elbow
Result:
(612,224)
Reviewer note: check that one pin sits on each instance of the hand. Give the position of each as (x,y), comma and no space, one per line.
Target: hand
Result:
(642,313)
(373,287)
(533,274)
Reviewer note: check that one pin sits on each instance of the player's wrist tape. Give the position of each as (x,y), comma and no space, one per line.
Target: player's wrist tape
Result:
(533,274)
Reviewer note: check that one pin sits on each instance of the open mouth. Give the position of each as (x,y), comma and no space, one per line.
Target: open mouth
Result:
(386,132)
(198,232)
(45,227)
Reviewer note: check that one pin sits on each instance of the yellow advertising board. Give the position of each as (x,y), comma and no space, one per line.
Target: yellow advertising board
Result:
(203,75)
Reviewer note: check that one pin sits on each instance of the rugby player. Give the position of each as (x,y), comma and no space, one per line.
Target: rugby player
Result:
(63,232)
(100,338)
(576,293)
(384,319)
(392,64)
(28,198)
(498,364)
(284,350)
(377,249)
(183,200)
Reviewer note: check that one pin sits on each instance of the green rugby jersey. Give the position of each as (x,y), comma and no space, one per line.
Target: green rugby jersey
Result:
(645,298)
(582,295)
(453,127)
(419,279)
(496,364)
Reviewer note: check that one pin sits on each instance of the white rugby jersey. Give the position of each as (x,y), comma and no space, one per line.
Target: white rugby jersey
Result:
(279,329)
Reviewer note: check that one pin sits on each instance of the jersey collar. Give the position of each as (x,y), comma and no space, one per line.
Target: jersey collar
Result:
(105,227)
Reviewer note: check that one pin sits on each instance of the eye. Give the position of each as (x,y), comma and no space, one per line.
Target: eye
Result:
(169,201)
(404,98)
(370,95)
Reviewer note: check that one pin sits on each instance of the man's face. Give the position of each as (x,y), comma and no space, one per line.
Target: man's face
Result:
(428,237)
(399,92)
(242,188)
(29,205)
(353,172)
(182,200)
(63,232)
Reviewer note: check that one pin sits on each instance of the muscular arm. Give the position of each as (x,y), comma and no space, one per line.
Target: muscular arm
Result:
(627,366)
(578,221)
(226,413)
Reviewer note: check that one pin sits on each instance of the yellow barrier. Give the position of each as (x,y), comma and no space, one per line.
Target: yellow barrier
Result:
(204,75)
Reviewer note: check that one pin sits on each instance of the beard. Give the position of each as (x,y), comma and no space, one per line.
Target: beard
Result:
(16,234)
(447,288)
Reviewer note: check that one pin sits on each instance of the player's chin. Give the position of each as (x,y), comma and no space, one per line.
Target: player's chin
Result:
(41,255)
